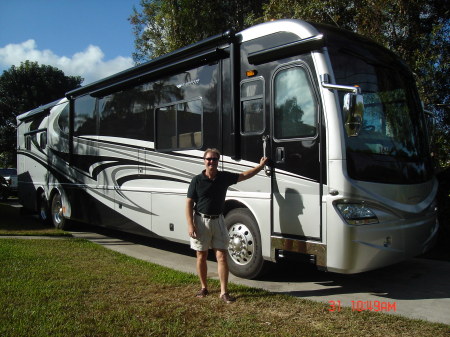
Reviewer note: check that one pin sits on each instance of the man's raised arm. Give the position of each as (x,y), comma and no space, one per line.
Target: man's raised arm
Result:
(253,171)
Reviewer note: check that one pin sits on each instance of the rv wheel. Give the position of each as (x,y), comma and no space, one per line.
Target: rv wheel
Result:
(244,251)
(57,212)
(43,211)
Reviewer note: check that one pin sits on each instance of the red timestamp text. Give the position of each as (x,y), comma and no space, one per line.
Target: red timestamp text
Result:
(335,306)
(374,306)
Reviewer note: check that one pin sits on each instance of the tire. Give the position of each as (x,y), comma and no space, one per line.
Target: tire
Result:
(57,215)
(244,252)
(43,211)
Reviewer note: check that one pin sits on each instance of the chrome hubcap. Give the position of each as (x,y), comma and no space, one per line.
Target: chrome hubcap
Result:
(241,247)
(57,211)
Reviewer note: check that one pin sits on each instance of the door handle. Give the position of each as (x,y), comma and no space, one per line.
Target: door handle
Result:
(280,155)
(267,169)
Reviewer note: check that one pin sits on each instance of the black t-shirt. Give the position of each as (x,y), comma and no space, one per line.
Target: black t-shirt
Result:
(209,195)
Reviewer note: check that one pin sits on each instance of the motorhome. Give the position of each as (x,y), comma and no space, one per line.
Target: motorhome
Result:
(349,184)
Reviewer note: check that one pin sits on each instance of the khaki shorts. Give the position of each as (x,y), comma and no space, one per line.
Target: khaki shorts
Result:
(211,233)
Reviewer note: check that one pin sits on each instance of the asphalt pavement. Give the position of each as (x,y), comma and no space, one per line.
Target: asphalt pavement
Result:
(417,288)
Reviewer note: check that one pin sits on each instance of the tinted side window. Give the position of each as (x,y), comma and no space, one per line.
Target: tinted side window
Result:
(179,126)
(63,120)
(85,121)
(252,106)
(28,142)
(43,140)
(295,104)
(126,114)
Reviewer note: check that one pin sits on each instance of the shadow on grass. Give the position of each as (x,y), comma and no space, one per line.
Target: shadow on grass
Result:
(15,221)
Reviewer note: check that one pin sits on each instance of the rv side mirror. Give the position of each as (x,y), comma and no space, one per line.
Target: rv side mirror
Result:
(353,113)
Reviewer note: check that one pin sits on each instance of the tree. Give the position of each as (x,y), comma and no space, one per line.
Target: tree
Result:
(166,25)
(24,88)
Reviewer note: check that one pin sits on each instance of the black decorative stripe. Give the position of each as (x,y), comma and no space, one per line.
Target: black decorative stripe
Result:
(123,180)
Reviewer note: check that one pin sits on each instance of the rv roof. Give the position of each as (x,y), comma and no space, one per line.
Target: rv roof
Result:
(41,109)
(301,28)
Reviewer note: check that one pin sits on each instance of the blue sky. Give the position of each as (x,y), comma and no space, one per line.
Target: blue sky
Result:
(88,38)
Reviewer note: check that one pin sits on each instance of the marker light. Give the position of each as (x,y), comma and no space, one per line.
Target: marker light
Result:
(357,214)
(251,73)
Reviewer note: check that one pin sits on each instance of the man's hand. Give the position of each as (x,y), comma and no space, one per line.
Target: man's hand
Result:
(263,161)
(191,231)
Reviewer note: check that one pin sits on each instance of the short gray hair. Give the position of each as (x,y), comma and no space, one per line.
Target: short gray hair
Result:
(213,150)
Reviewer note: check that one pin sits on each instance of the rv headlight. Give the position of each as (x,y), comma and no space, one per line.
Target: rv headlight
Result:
(357,214)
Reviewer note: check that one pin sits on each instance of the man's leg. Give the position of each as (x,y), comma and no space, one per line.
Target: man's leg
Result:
(221,256)
(222,269)
(202,268)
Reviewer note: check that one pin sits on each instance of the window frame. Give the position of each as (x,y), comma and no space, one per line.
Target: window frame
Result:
(155,125)
(43,141)
(77,112)
(315,96)
(28,142)
(39,137)
(109,123)
(250,98)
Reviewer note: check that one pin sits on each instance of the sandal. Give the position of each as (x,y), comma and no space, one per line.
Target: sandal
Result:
(202,293)
(227,298)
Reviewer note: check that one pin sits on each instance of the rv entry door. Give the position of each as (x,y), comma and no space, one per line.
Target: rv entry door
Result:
(295,154)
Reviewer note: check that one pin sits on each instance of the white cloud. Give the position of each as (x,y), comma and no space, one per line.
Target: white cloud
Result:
(88,64)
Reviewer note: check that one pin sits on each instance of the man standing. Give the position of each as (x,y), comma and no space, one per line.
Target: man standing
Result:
(206,226)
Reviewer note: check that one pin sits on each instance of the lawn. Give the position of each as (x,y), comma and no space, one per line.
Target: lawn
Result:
(72,287)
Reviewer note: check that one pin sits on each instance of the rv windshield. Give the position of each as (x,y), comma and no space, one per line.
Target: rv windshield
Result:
(392,146)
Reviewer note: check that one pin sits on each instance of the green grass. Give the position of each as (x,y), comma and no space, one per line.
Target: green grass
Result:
(71,287)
